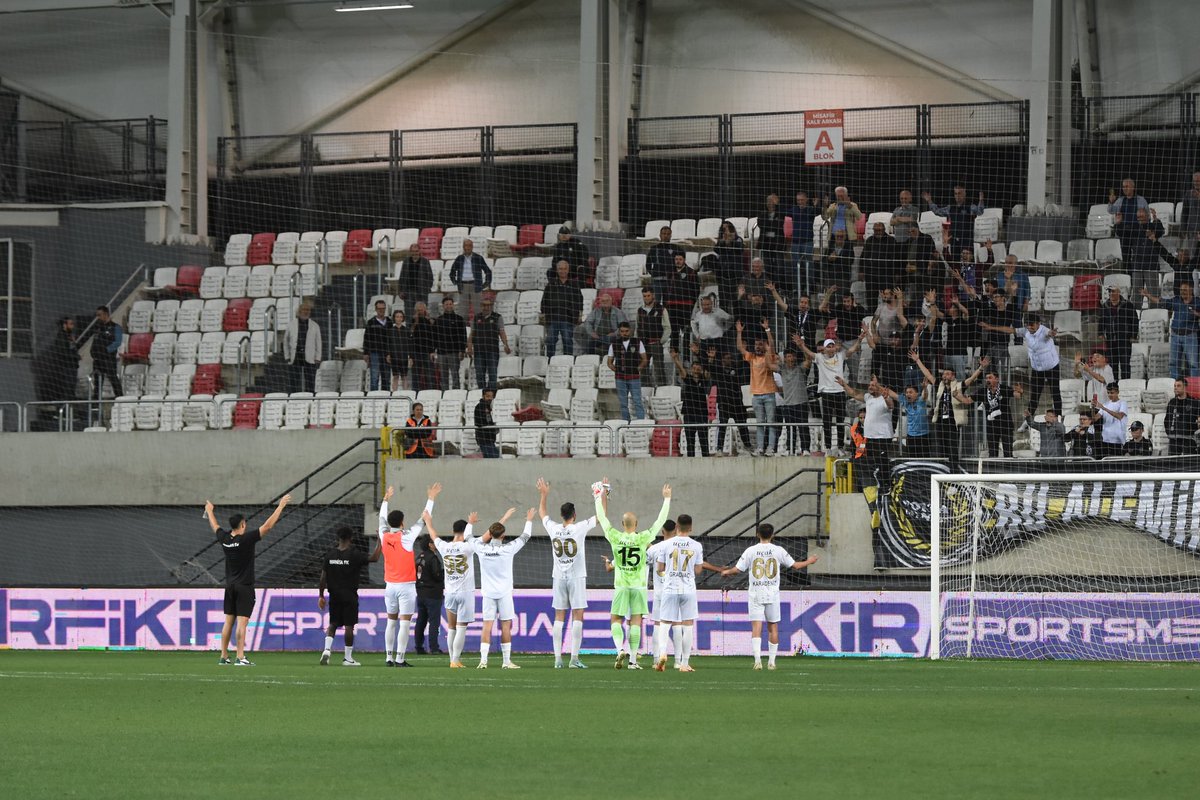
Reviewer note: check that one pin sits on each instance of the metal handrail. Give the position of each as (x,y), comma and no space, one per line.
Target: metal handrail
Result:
(379,254)
(112,301)
(20,414)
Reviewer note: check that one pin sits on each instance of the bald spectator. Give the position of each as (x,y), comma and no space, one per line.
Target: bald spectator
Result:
(575,253)
(710,324)
(1124,208)
(600,329)
(562,306)
(905,218)
(415,281)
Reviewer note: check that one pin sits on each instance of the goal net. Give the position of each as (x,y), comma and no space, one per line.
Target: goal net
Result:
(1070,566)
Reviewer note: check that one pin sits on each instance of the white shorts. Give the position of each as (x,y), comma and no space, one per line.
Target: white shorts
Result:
(763,612)
(569,593)
(501,607)
(676,607)
(462,606)
(400,598)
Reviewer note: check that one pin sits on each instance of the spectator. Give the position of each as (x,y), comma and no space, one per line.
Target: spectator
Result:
(961,215)
(627,358)
(803,215)
(106,336)
(752,309)
(846,320)
(399,345)
(843,215)
(731,254)
(1118,327)
(302,349)
(763,363)
(450,344)
(416,278)
(421,344)
(418,434)
(1142,251)
(925,263)
(970,269)
(879,263)
(836,263)
(1098,371)
(709,324)
(485,425)
(889,314)
(997,323)
(693,394)
(1052,433)
(858,438)
(793,409)
(660,259)
(962,336)
(1124,210)
(1182,418)
(1113,414)
(755,282)
(879,401)
(431,585)
(600,329)
(996,399)
(375,347)
(654,329)
(905,220)
(773,245)
(831,375)
(1189,216)
(888,360)
(1015,286)
(806,322)
(728,378)
(918,441)
(575,253)
(562,306)
(483,345)
(1185,317)
(471,274)
(679,296)
(1084,441)
(949,415)
(56,369)
(1138,444)
(1043,360)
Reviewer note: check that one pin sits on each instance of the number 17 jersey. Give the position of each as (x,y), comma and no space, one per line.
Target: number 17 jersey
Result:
(763,562)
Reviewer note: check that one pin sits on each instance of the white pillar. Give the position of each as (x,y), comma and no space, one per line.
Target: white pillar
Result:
(590,134)
(187,144)
(1041,73)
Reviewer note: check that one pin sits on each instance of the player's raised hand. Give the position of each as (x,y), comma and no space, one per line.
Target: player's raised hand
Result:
(208,507)
(434,491)
(283,501)
(473,517)
(508,515)
(543,487)
(667,490)
(391,490)
(530,514)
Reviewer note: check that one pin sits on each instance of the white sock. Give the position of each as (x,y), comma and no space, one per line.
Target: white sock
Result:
(658,643)
(328,643)
(756,647)
(556,635)
(484,647)
(772,649)
(349,652)
(405,627)
(506,652)
(688,630)
(576,638)
(389,638)
(451,640)
(677,636)
(460,641)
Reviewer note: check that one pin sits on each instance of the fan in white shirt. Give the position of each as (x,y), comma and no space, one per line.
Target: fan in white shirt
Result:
(567,541)
(459,591)
(496,583)
(679,563)
(764,561)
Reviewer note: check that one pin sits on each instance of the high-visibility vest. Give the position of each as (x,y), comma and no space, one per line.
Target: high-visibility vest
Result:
(860,441)
(422,440)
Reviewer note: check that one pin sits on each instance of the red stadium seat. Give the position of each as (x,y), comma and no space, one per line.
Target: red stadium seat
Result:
(430,242)
(261,246)
(1085,295)
(530,235)
(616,294)
(138,351)
(245,412)
(787,228)
(237,315)
(664,442)
(187,281)
(207,379)
(356,242)
(1193,388)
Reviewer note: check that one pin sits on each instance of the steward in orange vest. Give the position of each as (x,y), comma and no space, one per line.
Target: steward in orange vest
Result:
(418,444)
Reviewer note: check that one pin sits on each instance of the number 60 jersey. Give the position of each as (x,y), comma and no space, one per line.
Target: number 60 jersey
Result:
(763,562)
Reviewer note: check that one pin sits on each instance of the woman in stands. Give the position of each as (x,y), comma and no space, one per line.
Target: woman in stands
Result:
(398,346)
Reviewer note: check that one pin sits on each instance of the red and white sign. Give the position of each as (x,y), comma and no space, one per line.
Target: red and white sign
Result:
(823,137)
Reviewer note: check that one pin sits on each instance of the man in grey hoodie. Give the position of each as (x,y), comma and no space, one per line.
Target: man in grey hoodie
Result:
(1052,433)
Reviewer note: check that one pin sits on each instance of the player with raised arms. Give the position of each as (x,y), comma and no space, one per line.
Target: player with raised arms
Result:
(239,547)
(679,562)
(457,559)
(567,541)
(496,579)
(630,568)
(399,574)
(658,639)
(764,561)
(340,571)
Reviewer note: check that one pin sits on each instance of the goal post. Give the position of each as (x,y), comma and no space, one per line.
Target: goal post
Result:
(1101,566)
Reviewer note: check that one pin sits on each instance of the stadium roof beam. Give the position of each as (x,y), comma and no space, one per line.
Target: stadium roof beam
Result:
(26,6)
(900,51)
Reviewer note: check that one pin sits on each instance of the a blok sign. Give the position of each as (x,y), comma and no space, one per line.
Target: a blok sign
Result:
(823,137)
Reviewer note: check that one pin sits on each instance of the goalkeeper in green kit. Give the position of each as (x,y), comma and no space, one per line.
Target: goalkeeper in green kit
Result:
(631,570)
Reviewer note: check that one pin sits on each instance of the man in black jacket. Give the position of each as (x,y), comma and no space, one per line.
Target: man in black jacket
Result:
(660,259)
(450,342)
(56,368)
(377,351)
(422,342)
(653,328)
(471,274)
(431,583)
(106,336)
(485,425)
(1181,421)
(562,305)
(487,334)
(416,279)
(1118,325)
(727,375)
(575,253)
(879,263)
(774,246)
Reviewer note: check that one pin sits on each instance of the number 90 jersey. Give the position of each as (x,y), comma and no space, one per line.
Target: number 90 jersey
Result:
(763,562)
(567,542)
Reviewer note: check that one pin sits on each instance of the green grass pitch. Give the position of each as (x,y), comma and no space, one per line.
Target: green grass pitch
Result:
(175,725)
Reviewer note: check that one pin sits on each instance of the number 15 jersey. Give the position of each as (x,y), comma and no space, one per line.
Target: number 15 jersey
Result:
(630,567)
(763,562)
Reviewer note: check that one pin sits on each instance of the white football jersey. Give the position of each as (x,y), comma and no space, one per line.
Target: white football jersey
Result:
(495,563)
(458,564)
(681,554)
(652,557)
(567,543)
(763,562)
